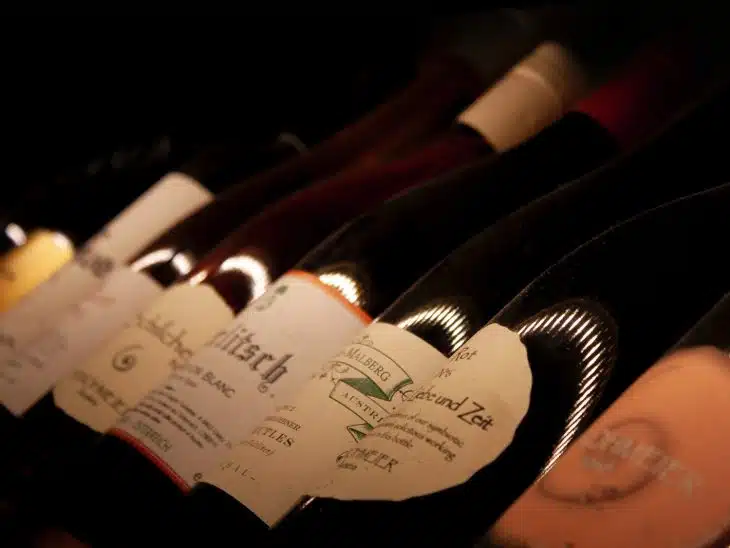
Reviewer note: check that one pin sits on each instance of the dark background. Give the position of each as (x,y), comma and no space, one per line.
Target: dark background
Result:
(72,85)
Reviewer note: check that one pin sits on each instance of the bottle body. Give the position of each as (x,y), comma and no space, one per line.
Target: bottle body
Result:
(184,245)
(442,90)
(664,485)
(264,249)
(366,263)
(559,307)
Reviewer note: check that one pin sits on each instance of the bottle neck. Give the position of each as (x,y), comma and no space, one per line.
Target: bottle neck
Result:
(533,94)
(219,166)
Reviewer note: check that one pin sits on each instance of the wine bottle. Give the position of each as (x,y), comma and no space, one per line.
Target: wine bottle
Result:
(645,464)
(538,233)
(78,327)
(523,408)
(529,240)
(166,202)
(245,264)
(463,143)
(649,472)
(366,263)
(260,251)
(522,244)
(448,81)
(56,226)
(442,87)
(710,331)
(25,377)
(163,259)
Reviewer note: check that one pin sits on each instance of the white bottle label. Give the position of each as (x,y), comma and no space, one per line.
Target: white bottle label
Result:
(265,355)
(168,201)
(358,389)
(35,368)
(172,198)
(159,339)
(453,427)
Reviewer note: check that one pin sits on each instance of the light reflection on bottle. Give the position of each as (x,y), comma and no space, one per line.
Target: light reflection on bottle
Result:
(198,278)
(62,241)
(181,261)
(347,285)
(16,234)
(446,317)
(583,329)
(251,267)
(157,256)
(589,332)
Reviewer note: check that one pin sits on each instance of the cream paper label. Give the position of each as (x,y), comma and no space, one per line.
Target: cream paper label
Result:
(159,339)
(34,369)
(172,198)
(261,358)
(356,391)
(454,426)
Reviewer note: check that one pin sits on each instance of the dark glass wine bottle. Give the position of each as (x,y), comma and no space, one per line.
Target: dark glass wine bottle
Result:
(461,448)
(243,266)
(25,378)
(648,467)
(651,471)
(374,259)
(442,86)
(494,265)
(685,156)
(59,342)
(712,530)
(445,84)
(448,79)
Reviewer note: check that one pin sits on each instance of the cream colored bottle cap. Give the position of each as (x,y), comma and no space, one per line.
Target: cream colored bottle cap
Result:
(532,95)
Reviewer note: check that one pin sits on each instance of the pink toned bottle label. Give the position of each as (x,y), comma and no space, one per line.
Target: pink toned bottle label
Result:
(651,472)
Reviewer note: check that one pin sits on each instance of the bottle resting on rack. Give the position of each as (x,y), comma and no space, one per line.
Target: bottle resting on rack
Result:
(324,339)
(162,206)
(522,244)
(445,84)
(242,267)
(24,377)
(649,472)
(366,263)
(527,241)
(80,327)
(441,89)
(470,442)
(52,227)
(306,344)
